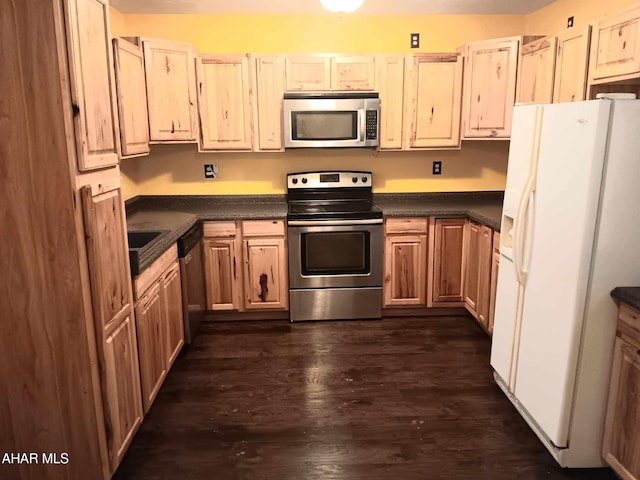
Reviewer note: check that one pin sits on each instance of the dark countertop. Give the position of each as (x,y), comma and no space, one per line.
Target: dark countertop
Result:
(174,215)
(628,295)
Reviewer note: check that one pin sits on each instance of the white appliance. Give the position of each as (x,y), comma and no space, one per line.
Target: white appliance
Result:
(570,234)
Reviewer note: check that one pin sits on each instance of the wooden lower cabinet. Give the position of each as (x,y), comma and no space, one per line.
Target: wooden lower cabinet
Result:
(621,445)
(246,266)
(495,265)
(405,261)
(478,272)
(150,324)
(448,256)
(172,296)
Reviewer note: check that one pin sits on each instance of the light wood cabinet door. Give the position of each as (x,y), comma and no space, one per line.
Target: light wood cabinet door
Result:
(222,274)
(484,276)
(536,70)
(110,281)
(151,326)
(132,98)
(490,88)
(224,100)
(170,77)
(405,263)
(616,45)
(433,100)
(265,274)
(92,94)
(390,86)
(172,297)
(269,79)
(308,73)
(448,260)
(495,266)
(353,72)
(472,270)
(621,445)
(572,60)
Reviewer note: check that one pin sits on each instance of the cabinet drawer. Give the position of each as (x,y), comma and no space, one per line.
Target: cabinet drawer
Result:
(629,324)
(406,225)
(219,229)
(263,228)
(143,281)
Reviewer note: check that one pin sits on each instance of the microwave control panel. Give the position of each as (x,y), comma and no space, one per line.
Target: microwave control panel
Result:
(372,124)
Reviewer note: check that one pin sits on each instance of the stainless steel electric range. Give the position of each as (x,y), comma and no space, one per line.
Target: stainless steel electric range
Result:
(335,238)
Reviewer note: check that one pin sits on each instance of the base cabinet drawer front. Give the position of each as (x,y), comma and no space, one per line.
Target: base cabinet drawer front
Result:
(222,273)
(151,327)
(621,446)
(172,297)
(448,260)
(265,274)
(616,45)
(405,270)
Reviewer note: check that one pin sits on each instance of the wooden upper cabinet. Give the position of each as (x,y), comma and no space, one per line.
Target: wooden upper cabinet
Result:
(433,98)
(536,70)
(621,444)
(490,87)
(308,72)
(616,45)
(390,86)
(572,60)
(269,81)
(90,61)
(108,259)
(132,98)
(448,260)
(224,100)
(353,72)
(170,76)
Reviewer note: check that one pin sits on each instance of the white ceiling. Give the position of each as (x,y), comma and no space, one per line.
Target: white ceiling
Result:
(370,7)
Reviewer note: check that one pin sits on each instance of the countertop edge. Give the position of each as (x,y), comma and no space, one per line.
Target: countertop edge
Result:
(627,295)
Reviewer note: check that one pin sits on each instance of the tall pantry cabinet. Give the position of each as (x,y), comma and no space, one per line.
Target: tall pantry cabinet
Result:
(70,364)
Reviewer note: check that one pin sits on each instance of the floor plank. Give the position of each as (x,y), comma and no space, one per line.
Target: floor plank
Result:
(400,398)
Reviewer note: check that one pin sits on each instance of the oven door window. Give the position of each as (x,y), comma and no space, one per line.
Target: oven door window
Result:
(330,125)
(335,253)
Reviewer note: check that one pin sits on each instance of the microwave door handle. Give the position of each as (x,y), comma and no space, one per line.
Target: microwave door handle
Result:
(361,123)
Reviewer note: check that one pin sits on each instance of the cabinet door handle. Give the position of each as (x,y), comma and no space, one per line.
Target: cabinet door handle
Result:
(235,274)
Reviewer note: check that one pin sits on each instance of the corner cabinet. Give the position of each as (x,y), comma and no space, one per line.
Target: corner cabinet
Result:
(108,259)
(170,78)
(132,98)
(572,60)
(405,262)
(91,82)
(536,71)
(620,447)
(433,98)
(490,87)
(224,100)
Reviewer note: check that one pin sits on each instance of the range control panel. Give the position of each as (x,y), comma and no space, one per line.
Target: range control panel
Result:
(330,179)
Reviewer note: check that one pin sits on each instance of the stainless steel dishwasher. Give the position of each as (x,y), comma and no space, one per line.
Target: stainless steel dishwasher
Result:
(193,287)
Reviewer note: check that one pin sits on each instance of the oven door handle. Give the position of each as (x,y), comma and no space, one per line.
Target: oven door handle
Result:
(329,223)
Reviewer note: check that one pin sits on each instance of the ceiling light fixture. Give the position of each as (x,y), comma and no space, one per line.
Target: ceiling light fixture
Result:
(344,6)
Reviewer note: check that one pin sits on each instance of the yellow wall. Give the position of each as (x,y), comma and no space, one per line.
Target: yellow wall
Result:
(117,22)
(553,18)
(179,169)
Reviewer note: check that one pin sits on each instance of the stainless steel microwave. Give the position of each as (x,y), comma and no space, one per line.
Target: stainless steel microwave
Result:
(331,119)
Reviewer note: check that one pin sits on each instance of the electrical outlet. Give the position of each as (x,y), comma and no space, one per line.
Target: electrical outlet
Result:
(210,170)
(415,40)
(437,168)
(570,22)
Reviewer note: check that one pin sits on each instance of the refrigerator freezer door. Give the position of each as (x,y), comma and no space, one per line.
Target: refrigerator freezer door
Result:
(572,150)
(505,319)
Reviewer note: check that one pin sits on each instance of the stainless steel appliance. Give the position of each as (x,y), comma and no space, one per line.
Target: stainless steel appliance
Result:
(335,239)
(192,276)
(334,119)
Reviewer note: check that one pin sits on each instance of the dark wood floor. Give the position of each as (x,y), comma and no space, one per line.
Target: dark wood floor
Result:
(393,399)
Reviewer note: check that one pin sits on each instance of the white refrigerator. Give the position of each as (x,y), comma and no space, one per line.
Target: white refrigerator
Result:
(570,233)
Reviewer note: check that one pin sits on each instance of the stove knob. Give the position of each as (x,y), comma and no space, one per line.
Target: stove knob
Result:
(354,179)
(364,179)
(304,180)
(294,181)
